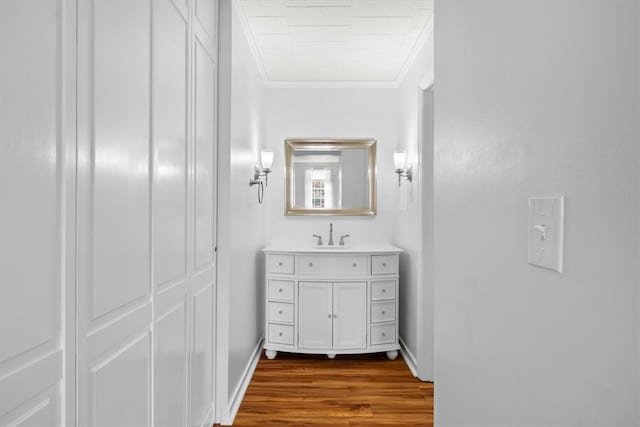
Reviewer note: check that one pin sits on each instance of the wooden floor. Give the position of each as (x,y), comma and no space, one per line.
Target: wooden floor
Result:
(358,390)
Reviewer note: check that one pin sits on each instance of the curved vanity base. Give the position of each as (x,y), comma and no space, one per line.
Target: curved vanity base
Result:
(304,288)
(271,354)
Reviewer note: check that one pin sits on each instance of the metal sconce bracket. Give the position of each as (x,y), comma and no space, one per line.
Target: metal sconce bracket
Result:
(406,173)
(257,180)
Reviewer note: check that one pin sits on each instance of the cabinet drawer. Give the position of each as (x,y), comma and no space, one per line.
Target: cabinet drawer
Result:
(340,265)
(280,312)
(281,290)
(280,264)
(384,264)
(383,289)
(281,334)
(383,311)
(383,333)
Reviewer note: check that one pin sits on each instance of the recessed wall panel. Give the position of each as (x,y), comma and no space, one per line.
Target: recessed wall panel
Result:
(120,387)
(202,357)
(205,140)
(44,413)
(121,78)
(29,163)
(170,367)
(169,110)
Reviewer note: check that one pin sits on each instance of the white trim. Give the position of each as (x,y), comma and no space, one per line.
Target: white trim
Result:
(209,419)
(427,32)
(409,358)
(246,30)
(331,84)
(424,347)
(238,394)
(426,84)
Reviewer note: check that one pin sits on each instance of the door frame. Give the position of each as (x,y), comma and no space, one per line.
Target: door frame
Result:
(425,301)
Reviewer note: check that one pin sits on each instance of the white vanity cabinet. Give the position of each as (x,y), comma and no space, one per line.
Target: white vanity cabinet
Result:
(331,300)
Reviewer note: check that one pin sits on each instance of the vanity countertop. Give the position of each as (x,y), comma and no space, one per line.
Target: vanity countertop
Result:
(355,249)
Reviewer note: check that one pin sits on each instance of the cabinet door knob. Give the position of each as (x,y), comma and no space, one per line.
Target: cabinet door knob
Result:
(355,264)
(384,291)
(335,316)
(310,264)
(384,312)
(280,312)
(280,290)
(329,315)
(280,334)
(280,263)
(384,335)
(384,264)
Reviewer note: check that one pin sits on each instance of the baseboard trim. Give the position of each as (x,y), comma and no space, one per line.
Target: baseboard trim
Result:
(238,394)
(409,358)
(209,419)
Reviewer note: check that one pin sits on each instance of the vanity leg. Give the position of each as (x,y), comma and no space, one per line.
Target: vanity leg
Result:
(392,354)
(331,355)
(271,354)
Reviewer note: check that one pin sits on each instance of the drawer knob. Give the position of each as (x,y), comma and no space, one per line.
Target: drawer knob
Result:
(329,316)
(384,312)
(335,316)
(280,263)
(280,334)
(384,264)
(355,264)
(383,334)
(310,264)
(384,291)
(280,290)
(280,312)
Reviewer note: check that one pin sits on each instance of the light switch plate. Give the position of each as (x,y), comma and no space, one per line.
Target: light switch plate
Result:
(546,232)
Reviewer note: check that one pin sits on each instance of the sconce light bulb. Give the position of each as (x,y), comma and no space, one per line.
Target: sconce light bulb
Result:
(266,158)
(399,160)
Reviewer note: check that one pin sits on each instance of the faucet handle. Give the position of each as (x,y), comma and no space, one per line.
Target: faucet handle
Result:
(319,239)
(342,239)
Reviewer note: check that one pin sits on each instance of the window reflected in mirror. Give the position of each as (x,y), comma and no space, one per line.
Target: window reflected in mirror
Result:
(330,177)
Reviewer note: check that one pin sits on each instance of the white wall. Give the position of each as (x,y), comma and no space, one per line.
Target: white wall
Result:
(332,113)
(416,285)
(241,218)
(536,99)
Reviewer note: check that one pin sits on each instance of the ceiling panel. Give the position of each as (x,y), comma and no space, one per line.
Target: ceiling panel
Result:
(334,40)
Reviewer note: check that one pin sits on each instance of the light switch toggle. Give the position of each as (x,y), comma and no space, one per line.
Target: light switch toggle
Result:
(546,232)
(543,231)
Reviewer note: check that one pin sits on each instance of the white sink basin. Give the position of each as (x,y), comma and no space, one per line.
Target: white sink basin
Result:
(330,248)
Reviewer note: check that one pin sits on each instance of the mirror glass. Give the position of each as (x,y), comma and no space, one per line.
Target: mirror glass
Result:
(330,177)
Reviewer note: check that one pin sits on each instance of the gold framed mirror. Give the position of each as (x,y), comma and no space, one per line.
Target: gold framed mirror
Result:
(330,176)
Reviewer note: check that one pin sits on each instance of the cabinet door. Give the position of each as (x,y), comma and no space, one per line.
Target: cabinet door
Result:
(314,315)
(349,315)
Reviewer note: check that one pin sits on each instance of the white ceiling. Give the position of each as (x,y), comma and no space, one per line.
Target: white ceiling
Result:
(334,40)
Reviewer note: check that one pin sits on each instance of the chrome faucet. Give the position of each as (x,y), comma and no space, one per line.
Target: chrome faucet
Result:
(330,234)
(342,239)
(319,239)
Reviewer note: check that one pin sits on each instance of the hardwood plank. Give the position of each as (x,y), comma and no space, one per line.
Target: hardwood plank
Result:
(350,390)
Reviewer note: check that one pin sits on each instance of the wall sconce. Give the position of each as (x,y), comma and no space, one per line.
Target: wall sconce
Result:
(266,160)
(403,171)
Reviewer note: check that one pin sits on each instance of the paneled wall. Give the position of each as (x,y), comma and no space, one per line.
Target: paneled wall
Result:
(33,131)
(146,224)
